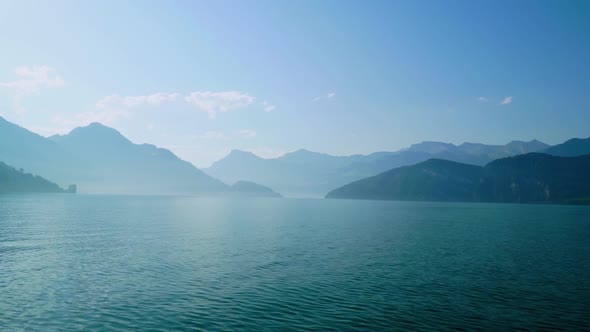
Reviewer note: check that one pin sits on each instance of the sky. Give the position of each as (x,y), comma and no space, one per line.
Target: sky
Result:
(339,77)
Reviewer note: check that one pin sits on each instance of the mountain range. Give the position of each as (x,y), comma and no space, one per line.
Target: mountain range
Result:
(310,174)
(99,159)
(562,177)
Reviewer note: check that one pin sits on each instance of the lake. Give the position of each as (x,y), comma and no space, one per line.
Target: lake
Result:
(81,262)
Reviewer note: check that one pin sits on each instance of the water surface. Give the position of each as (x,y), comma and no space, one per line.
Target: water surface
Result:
(76,262)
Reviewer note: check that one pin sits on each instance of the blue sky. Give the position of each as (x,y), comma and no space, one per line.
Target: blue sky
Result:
(340,77)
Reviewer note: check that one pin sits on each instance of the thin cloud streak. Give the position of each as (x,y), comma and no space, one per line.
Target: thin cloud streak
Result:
(326,96)
(267,106)
(30,80)
(154,99)
(218,102)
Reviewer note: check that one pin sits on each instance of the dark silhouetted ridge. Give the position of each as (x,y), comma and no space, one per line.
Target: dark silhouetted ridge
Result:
(571,148)
(530,178)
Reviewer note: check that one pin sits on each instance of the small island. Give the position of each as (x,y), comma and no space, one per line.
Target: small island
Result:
(247,188)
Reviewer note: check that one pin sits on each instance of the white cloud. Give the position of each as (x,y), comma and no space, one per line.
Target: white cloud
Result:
(155,99)
(267,106)
(247,133)
(482,99)
(506,101)
(218,102)
(326,96)
(210,102)
(30,80)
(110,109)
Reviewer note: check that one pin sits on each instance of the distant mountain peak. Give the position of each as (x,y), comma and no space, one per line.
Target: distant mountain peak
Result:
(533,141)
(97,126)
(241,153)
(432,147)
(433,143)
(522,147)
(302,153)
(299,151)
(94,132)
(238,156)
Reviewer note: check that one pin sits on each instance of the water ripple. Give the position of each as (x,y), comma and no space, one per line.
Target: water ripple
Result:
(181,263)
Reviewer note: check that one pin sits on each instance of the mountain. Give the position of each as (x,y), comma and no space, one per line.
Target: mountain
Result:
(306,173)
(522,147)
(101,160)
(434,179)
(36,154)
(107,162)
(253,189)
(530,178)
(573,147)
(16,181)
(301,173)
(477,153)
(432,148)
(537,177)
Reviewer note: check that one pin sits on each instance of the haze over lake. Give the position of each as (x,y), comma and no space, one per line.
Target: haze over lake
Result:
(267,165)
(185,263)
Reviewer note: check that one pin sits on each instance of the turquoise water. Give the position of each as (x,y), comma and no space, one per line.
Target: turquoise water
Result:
(75,262)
